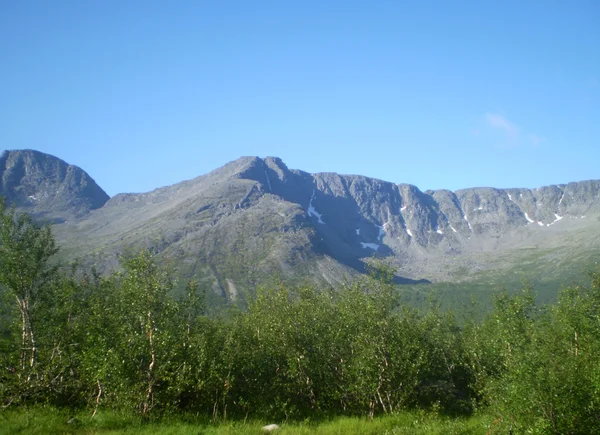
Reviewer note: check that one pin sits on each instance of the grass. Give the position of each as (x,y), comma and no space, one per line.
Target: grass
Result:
(46,420)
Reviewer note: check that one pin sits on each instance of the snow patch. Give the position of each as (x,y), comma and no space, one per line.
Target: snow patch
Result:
(468,223)
(541,224)
(312,211)
(373,246)
(33,198)
(381,232)
(409,232)
(561,199)
(555,220)
(403,208)
(269,182)
(528,218)
(509,197)
(453,229)
(439,231)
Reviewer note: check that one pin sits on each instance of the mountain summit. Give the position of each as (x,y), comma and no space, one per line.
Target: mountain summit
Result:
(47,187)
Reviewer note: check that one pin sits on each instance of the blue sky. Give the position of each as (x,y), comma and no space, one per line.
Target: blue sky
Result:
(439,94)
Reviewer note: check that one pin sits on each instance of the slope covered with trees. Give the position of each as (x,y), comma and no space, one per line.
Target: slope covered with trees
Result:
(78,340)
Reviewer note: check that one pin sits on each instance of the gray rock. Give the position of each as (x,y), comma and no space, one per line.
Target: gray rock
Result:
(47,187)
(254,218)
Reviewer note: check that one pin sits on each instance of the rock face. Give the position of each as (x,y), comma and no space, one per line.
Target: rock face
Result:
(47,187)
(255,218)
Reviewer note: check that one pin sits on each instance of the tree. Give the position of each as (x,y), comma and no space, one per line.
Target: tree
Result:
(25,251)
(550,380)
(146,328)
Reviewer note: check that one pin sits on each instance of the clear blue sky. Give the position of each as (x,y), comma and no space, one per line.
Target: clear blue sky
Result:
(440,94)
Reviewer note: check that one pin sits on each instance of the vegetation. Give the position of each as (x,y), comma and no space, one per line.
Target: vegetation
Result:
(74,344)
(43,420)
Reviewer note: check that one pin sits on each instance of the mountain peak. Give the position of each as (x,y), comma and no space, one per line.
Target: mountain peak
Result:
(48,187)
(254,217)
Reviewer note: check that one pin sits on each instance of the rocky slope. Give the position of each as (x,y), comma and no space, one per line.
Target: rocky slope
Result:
(47,187)
(254,218)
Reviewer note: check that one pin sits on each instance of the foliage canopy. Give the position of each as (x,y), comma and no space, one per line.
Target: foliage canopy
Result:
(75,339)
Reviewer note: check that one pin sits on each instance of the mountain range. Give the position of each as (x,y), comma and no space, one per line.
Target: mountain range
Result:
(254,218)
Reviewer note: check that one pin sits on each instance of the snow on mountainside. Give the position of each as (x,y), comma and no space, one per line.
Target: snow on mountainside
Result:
(254,217)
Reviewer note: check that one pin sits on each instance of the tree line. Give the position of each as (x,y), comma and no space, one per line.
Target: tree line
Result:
(80,340)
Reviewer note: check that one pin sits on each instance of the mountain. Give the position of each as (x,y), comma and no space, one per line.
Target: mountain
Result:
(47,187)
(255,218)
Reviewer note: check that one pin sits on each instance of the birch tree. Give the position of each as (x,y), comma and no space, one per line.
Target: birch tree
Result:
(25,251)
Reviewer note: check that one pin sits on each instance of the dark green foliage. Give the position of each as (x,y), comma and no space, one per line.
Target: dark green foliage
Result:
(25,274)
(76,340)
(547,372)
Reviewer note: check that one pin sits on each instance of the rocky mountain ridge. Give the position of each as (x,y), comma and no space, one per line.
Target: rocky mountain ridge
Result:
(364,211)
(255,217)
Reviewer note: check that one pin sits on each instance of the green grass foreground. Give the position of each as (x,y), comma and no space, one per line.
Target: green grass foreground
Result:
(47,420)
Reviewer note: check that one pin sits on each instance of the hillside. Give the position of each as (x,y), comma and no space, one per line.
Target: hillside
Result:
(47,187)
(255,218)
